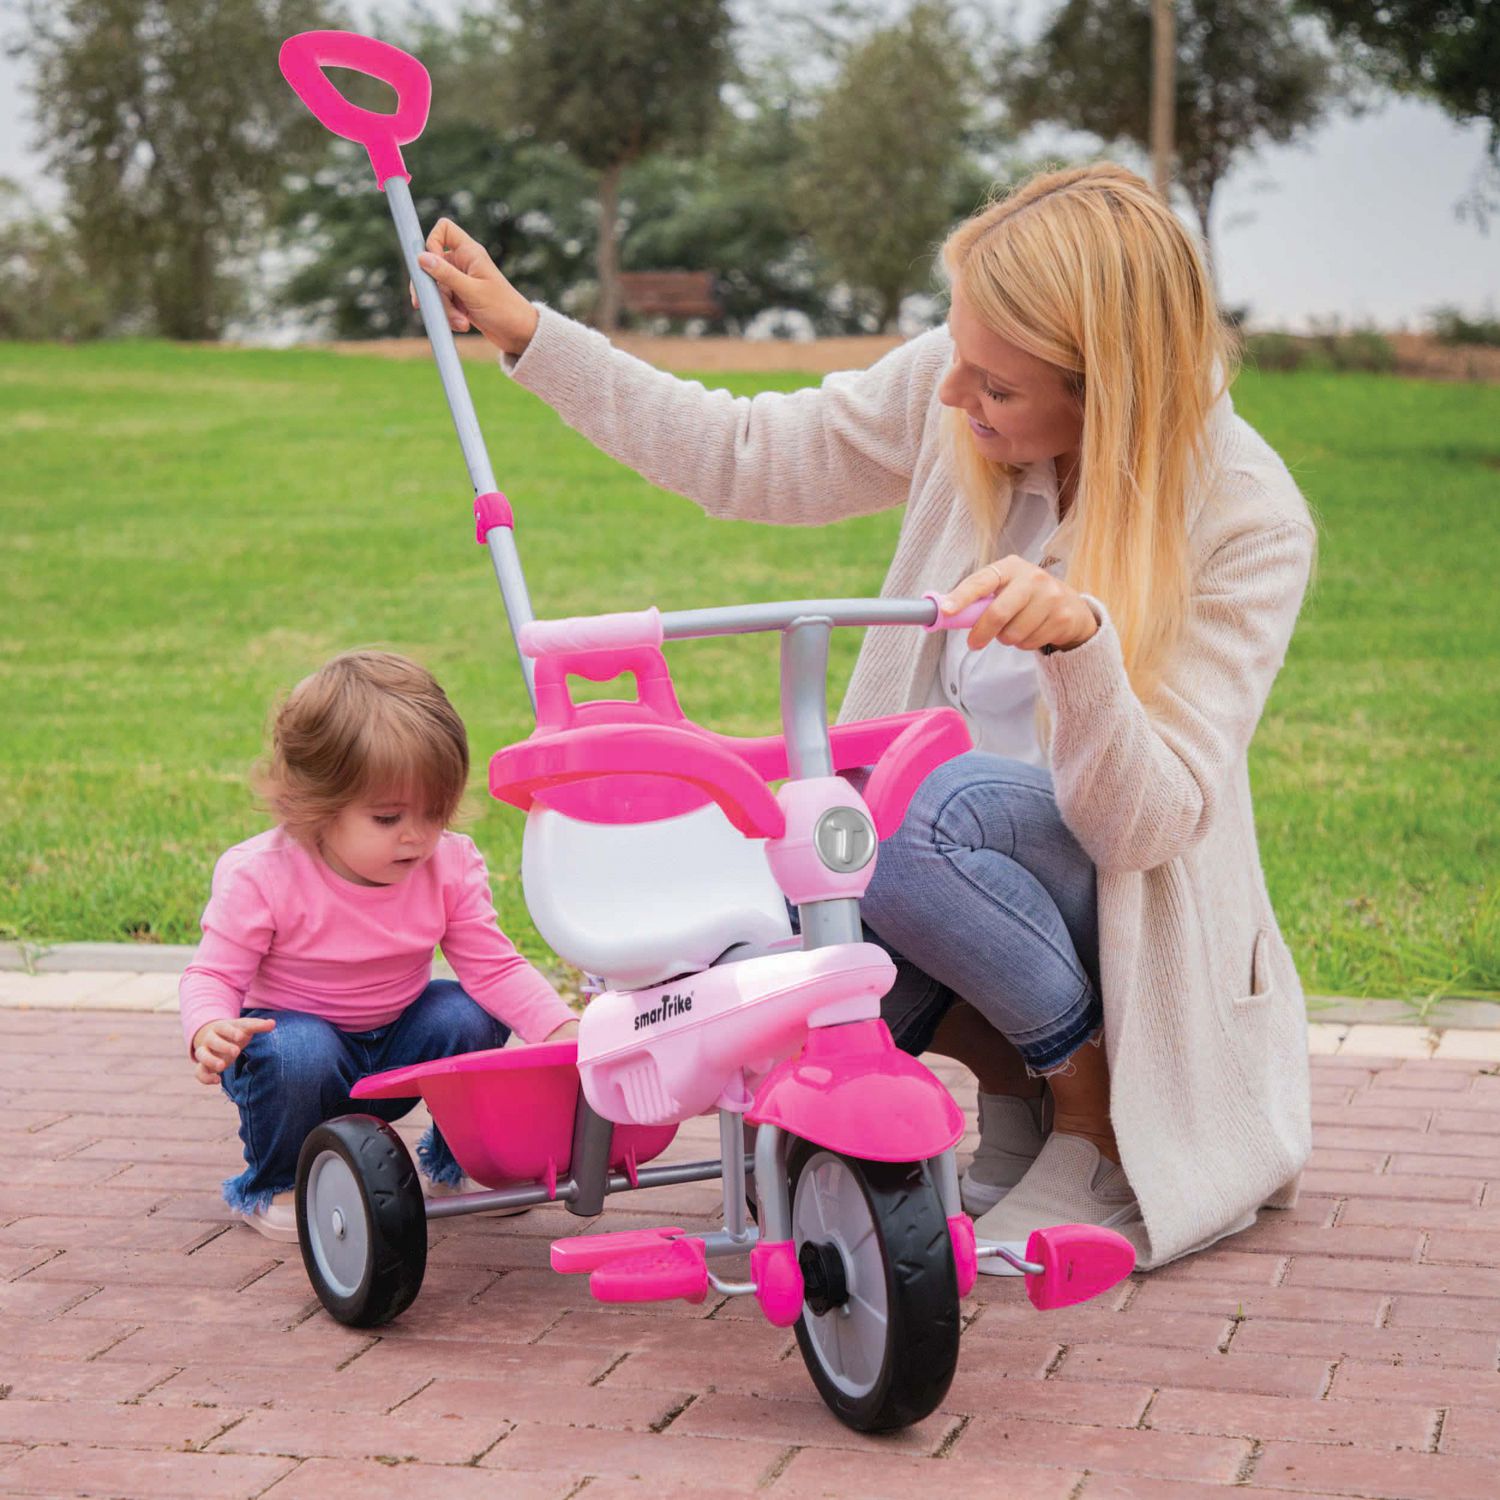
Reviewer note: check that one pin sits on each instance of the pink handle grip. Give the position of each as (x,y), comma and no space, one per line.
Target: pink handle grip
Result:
(641,627)
(303,58)
(963,619)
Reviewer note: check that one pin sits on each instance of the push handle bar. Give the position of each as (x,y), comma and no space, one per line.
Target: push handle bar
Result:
(649,628)
(303,58)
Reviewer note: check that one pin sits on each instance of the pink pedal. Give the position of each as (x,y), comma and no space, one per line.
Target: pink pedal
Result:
(587,1252)
(678,1268)
(1079,1261)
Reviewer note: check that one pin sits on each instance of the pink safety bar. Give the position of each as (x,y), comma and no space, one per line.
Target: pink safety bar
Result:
(491,509)
(852,1090)
(681,766)
(303,58)
(519,775)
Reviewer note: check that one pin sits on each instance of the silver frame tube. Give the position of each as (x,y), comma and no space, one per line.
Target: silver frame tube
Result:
(501,540)
(743,619)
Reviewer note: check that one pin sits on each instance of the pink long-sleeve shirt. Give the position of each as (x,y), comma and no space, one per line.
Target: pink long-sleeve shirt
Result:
(282,931)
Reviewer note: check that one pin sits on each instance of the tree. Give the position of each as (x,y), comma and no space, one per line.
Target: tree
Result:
(1246,75)
(886,169)
(615,81)
(1446,49)
(45,293)
(727,211)
(167,124)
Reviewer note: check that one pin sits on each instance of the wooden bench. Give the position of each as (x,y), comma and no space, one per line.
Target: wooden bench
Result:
(670,294)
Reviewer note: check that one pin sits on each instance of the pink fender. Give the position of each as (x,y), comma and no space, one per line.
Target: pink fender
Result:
(853,1091)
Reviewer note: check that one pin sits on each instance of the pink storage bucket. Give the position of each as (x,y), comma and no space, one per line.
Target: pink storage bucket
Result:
(508,1113)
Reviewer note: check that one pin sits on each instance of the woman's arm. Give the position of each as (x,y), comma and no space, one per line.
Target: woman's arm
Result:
(845,448)
(1137,788)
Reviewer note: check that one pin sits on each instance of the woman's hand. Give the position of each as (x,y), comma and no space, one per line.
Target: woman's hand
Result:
(474,291)
(216,1044)
(1032,609)
(564,1033)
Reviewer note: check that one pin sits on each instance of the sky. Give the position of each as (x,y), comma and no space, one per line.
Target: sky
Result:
(1357,226)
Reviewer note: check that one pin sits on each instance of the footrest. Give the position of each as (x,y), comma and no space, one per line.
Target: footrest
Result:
(678,1268)
(587,1252)
(1078,1262)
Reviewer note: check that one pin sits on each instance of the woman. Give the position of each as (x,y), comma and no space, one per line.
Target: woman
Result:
(1087,880)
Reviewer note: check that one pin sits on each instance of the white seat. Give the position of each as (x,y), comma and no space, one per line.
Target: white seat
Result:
(638,903)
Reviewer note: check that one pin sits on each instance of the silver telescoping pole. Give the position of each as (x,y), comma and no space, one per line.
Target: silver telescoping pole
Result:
(501,539)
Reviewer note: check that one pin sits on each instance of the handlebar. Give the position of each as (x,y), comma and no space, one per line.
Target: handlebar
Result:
(650,627)
(303,58)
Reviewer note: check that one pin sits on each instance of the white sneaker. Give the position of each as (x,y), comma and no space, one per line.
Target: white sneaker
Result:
(277,1220)
(1010,1137)
(1069,1183)
(432,1189)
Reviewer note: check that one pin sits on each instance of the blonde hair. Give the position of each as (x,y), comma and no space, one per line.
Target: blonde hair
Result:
(1090,270)
(368,724)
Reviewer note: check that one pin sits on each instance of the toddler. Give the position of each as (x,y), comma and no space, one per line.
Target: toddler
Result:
(316,961)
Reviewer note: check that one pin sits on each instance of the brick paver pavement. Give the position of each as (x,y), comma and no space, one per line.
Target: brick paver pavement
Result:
(148,1347)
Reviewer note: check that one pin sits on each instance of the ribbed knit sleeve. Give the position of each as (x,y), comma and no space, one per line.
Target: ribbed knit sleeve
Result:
(1139,787)
(488,966)
(847,447)
(238,924)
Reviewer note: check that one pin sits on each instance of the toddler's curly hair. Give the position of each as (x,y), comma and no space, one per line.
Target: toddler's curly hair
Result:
(366,726)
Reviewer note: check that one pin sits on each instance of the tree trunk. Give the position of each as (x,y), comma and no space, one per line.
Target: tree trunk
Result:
(607,313)
(890,310)
(1163,93)
(1201,192)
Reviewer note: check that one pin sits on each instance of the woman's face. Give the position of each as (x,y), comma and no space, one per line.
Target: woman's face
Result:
(1020,409)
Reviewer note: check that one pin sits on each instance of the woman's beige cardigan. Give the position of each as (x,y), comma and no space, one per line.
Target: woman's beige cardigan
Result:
(1203,1012)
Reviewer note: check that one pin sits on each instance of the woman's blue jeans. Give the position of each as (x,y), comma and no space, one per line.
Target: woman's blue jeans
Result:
(289,1080)
(984,895)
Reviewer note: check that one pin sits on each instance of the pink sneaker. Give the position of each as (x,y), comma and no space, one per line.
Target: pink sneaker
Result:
(277,1220)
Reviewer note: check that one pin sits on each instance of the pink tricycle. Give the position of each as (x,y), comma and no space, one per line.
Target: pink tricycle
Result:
(657,856)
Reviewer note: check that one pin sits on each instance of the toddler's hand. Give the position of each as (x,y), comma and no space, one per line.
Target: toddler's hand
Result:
(216,1044)
(475,291)
(564,1033)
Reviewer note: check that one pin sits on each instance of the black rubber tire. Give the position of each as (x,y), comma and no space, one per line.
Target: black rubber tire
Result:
(396,1218)
(921,1351)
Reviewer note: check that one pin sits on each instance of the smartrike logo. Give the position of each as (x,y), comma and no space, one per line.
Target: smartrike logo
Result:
(671,1006)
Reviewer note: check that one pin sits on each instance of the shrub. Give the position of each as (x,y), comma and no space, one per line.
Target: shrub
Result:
(1275,351)
(1364,349)
(1451,327)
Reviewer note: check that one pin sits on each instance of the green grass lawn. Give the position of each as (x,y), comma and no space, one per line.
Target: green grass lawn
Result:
(187,531)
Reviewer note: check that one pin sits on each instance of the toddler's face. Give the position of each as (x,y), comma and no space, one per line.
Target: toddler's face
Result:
(379,843)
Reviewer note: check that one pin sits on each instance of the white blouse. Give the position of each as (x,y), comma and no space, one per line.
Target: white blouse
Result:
(995,688)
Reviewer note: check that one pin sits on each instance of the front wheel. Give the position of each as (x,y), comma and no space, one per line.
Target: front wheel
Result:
(361,1220)
(879,1328)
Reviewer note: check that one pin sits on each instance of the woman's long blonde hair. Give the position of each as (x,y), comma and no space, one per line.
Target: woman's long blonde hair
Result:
(1091,271)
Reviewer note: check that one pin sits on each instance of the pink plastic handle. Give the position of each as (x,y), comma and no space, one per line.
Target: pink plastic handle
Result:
(303,58)
(963,619)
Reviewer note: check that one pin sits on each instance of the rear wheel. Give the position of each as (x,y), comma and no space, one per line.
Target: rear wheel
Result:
(879,1328)
(361,1220)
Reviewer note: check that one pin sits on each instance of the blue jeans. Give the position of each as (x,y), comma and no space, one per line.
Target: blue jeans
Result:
(289,1080)
(984,895)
